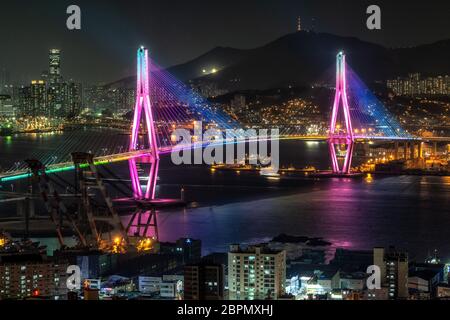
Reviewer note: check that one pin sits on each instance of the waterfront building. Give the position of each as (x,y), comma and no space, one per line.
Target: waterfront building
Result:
(24,100)
(123,100)
(7,109)
(73,99)
(256,272)
(118,100)
(38,99)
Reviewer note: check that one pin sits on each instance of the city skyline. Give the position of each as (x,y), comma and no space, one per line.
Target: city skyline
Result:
(311,164)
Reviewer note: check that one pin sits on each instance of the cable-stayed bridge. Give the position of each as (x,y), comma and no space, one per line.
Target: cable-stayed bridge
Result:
(169,104)
(164,104)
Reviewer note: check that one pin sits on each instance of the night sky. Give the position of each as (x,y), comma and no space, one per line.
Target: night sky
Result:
(178,30)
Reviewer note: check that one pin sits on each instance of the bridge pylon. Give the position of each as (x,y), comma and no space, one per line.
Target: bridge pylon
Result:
(143,105)
(340,139)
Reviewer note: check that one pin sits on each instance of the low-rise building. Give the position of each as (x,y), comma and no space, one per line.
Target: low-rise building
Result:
(443,291)
(355,281)
(423,281)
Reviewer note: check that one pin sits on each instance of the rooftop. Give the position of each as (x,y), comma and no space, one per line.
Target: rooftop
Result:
(253,249)
(424,274)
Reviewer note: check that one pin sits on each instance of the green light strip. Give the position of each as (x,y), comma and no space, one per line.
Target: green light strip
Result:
(62,169)
(132,155)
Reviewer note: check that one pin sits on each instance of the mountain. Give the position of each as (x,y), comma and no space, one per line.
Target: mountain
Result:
(220,58)
(303,58)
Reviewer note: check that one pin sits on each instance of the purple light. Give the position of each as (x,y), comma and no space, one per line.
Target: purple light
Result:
(143,104)
(336,138)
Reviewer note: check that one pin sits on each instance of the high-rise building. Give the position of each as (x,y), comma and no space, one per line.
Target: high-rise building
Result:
(299,24)
(6,106)
(64,98)
(55,98)
(73,99)
(26,271)
(204,281)
(256,272)
(124,99)
(38,105)
(24,100)
(394,271)
(415,85)
(33,279)
(54,73)
(4,81)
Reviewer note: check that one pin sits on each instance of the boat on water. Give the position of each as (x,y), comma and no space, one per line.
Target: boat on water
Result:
(269,172)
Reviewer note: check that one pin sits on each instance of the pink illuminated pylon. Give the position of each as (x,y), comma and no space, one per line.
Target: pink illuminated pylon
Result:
(336,138)
(143,104)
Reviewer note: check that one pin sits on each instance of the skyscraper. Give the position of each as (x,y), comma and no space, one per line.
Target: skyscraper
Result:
(24,100)
(73,99)
(54,73)
(38,103)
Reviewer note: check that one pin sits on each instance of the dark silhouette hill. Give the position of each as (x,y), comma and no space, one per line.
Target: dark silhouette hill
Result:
(303,58)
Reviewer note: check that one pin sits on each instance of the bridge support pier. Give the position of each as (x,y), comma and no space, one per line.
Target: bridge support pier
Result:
(412,147)
(396,146)
(405,150)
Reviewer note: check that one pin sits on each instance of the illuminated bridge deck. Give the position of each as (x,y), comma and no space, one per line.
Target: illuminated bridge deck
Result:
(119,157)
